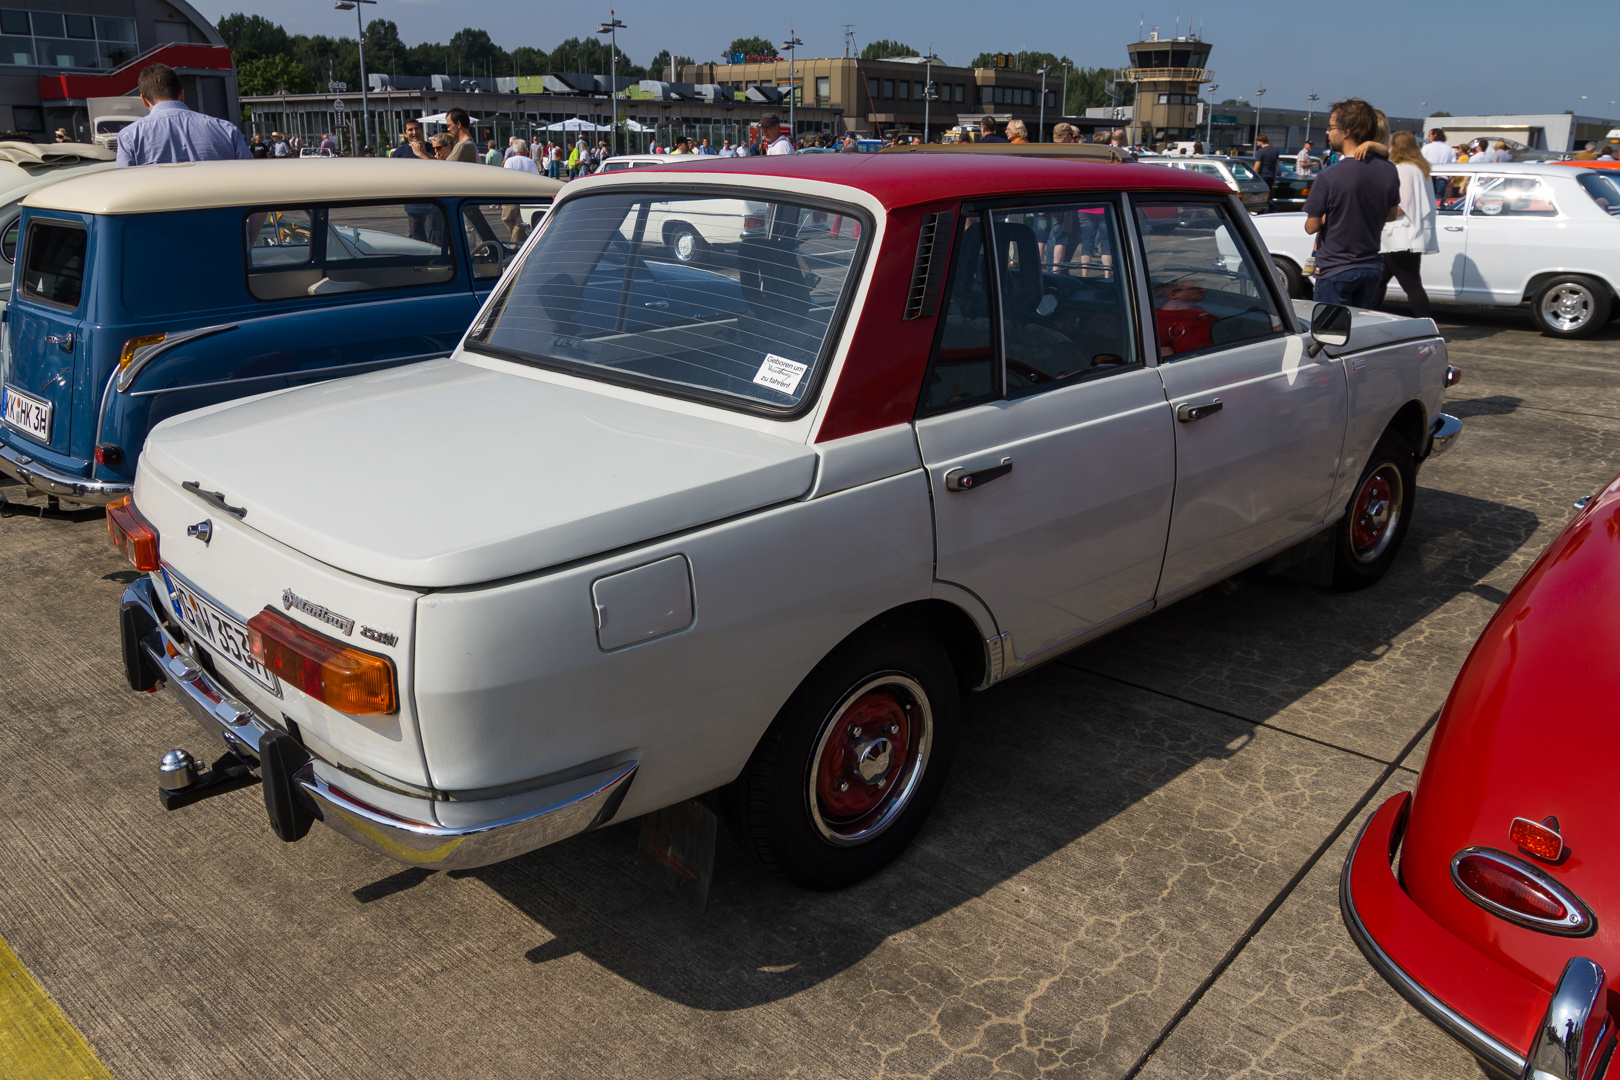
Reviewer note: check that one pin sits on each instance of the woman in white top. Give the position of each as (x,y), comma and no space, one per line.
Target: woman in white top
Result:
(1411,235)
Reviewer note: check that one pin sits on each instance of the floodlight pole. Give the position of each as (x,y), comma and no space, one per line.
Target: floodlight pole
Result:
(360,39)
(1040,125)
(612,28)
(928,90)
(1313,97)
(792,45)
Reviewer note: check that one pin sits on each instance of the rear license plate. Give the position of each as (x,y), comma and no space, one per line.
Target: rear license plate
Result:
(223,633)
(28,415)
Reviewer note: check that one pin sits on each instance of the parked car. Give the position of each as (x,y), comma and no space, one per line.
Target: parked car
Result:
(1499,924)
(698,226)
(1511,233)
(154,291)
(26,167)
(1290,190)
(764,542)
(1252,190)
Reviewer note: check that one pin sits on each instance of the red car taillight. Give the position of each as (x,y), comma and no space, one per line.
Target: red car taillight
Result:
(132,534)
(1518,892)
(350,681)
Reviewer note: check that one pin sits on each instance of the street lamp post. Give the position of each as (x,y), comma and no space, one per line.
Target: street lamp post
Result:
(360,38)
(1209,121)
(1258,94)
(1313,97)
(928,90)
(611,28)
(1040,125)
(1063,104)
(792,45)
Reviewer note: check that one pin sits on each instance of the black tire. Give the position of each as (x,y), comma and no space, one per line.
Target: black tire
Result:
(1293,280)
(1570,306)
(1369,535)
(683,242)
(896,680)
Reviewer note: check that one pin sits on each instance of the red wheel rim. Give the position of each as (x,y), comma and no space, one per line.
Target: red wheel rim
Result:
(1376,513)
(869,759)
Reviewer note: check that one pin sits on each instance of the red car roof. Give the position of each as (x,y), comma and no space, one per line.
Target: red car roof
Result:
(908,179)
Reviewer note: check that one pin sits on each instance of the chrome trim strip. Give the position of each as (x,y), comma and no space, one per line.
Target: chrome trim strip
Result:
(1580,921)
(1443,432)
(147,353)
(564,808)
(293,374)
(26,470)
(1490,1050)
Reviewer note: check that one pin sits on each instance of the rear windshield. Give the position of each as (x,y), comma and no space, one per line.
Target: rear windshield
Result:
(1241,171)
(721,297)
(53,269)
(1604,189)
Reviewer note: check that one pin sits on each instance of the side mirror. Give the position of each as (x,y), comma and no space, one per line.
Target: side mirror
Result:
(1330,325)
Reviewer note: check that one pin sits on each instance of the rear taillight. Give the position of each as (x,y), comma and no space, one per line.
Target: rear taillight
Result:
(349,680)
(751,222)
(1518,892)
(132,534)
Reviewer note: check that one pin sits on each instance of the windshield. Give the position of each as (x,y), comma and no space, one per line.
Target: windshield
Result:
(718,297)
(1604,189)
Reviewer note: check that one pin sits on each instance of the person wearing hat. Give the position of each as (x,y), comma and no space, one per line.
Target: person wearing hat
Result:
(278,145)
(772,137)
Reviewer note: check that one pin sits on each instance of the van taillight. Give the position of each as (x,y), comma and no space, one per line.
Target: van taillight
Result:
(349,680)
(1518,892)
(132,534)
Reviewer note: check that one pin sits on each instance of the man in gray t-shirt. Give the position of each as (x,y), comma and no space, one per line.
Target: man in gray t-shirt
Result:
(1347,208)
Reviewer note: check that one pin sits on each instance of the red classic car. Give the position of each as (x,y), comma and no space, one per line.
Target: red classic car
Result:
(1496,921)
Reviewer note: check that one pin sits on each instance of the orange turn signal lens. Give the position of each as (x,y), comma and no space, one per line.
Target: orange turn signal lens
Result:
(132,534)
(127,354)
(350,681)
(1536,838)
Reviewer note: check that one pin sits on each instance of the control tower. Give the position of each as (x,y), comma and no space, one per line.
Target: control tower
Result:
(1167,74)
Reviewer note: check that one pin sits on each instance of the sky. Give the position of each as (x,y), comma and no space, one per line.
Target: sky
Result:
(1407,58)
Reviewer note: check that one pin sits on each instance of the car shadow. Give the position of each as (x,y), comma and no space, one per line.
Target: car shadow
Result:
(1494,405)
(1055,755)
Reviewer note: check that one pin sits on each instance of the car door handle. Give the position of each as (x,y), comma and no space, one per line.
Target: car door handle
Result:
(1454,228)
(1187,412)
(64,340)
(962,480)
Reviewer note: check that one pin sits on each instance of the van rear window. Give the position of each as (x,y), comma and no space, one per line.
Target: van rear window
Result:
(53,263)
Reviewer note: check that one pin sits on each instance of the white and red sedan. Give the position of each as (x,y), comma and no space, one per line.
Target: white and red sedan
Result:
(757,523)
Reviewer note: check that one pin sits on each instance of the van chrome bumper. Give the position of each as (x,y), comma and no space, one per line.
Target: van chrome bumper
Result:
(20,467)
(1443,432)
(156,654)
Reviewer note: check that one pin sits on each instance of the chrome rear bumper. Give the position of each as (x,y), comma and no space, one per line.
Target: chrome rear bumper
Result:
(1443,432)
(483,831)
(19,466)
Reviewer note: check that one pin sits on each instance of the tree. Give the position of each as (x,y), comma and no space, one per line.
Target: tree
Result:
(752,46)
(271,75)
(384,50)
(527,60)
(473,51)
(884,48)
(253,36)
(1440,112)
(659,68)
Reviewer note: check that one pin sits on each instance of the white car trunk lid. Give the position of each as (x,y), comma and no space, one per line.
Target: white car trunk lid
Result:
(444,474)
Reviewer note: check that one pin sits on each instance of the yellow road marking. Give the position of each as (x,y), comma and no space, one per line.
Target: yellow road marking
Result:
(36,1040)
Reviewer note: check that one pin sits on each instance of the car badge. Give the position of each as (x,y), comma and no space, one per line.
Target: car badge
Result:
(291,600)
(203,530)
(381,636)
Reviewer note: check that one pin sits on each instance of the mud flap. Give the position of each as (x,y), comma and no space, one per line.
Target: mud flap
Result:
(291,811)
(677,850)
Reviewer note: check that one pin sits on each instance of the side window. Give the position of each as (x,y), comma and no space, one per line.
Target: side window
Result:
(321,252)
(53,270)
(964,367)
(8,241)
(1064,311)
(1207,292)
(1512,196)
(494,233)
(1451,193)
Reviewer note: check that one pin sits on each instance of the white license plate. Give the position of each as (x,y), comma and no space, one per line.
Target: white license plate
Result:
(28,415)
(224,634)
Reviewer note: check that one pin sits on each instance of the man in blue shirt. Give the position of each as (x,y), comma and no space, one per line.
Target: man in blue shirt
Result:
(1347,208)
(172,132)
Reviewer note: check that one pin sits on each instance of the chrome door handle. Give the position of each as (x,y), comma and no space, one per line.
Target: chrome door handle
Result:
(1454,228)
(1188,412)
(64,340)
(962,480)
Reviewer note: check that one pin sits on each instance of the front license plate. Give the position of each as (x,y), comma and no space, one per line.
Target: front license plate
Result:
(225,634)
(27,414)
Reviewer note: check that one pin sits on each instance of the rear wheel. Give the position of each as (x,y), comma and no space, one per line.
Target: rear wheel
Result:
(851,766)
(1293,281)
(1570,306)
(1374,526)
(683,242)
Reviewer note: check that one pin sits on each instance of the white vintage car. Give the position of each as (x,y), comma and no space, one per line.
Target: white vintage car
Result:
(759,529)
(1510,233)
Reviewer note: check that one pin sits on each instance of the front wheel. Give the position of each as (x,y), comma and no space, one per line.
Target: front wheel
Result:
(1572,306)
(1370,534)
(683,242)
(1293,282)
(850,768)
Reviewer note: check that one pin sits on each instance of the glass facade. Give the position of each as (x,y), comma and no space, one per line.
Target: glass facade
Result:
(61,40)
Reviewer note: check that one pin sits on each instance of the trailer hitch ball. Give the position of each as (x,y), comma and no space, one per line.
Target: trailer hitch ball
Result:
(177,771)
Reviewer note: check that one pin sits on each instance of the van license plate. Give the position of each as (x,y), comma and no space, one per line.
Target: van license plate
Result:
(225,634)
(28,415)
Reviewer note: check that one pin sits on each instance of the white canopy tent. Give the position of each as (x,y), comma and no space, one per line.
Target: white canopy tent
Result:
(575,124)
(443,118)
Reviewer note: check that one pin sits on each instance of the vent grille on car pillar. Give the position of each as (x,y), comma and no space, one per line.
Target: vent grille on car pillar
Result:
(922,299)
